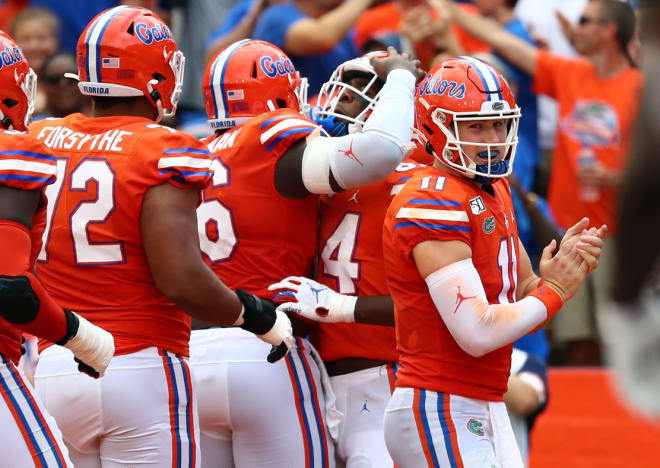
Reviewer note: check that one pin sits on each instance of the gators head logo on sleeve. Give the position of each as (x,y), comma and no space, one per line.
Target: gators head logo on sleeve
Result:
(489,224)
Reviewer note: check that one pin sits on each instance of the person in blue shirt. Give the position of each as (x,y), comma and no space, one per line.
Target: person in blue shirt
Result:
(316,34)
(238,24)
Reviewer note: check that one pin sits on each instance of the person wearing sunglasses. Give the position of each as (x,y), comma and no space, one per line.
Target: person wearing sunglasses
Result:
(62,94)
(598,96)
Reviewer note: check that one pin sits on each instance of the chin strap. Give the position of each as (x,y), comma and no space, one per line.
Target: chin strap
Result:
(333,126)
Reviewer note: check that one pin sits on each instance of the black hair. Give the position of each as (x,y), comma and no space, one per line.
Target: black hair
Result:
(623,16)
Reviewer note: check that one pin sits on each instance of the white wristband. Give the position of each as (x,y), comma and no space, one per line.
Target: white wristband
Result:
(344,306)
(92,345)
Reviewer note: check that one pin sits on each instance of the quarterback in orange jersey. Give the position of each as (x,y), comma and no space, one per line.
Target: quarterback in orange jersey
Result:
(462,284)
(360,357)
(258,224)
(121,248)
(30,435)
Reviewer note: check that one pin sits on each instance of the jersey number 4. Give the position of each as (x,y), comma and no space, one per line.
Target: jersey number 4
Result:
(88,212)
(338,253)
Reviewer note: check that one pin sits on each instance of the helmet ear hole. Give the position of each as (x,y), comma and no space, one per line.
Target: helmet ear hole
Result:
(281,103)
(9,103)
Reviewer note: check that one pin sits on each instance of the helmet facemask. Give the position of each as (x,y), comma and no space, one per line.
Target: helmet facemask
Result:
(176,61)
(339,84)
(454,152)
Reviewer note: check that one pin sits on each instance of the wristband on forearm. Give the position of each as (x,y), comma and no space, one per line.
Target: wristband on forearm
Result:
(550,298)
(258,315)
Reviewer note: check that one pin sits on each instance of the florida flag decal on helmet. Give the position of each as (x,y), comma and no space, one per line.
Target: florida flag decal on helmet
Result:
(466,89)
(128,52)
(249,78)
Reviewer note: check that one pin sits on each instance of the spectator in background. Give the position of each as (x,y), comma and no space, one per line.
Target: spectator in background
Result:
(541,20)
(62,94)
(598,102)
(73,15)
(421,25)
(315,34)
(37,32)
(239,24)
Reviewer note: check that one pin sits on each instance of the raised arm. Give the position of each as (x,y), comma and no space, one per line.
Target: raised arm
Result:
(512,48)
(311,36)
(328,165)
(242,30)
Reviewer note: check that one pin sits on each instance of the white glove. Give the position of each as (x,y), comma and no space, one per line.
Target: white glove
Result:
(261,318)
(92,347)
(280,336)
(314,301)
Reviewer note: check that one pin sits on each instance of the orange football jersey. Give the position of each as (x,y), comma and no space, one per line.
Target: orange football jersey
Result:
(25,164)
(352,263)
(93,260)
(438,205)
(250,235)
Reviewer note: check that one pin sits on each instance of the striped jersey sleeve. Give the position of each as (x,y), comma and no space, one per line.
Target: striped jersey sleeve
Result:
(184,161)
(430,214)
(282,129)
(25,163)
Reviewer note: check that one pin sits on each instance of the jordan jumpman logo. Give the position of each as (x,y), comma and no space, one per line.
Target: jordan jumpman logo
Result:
(460,298)
(364,407)
(354,197)
(350,154)
(316,292)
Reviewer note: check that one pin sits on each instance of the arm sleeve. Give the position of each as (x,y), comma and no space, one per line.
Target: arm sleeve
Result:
(275,22)
(477,326)
(362,158)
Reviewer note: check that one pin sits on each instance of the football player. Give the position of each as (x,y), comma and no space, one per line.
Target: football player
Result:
(258,224)
(462,284)
(30,436)
(355,336)
(122,231)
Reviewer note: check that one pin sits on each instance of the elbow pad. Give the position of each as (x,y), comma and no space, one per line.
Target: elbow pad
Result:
(477,326)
